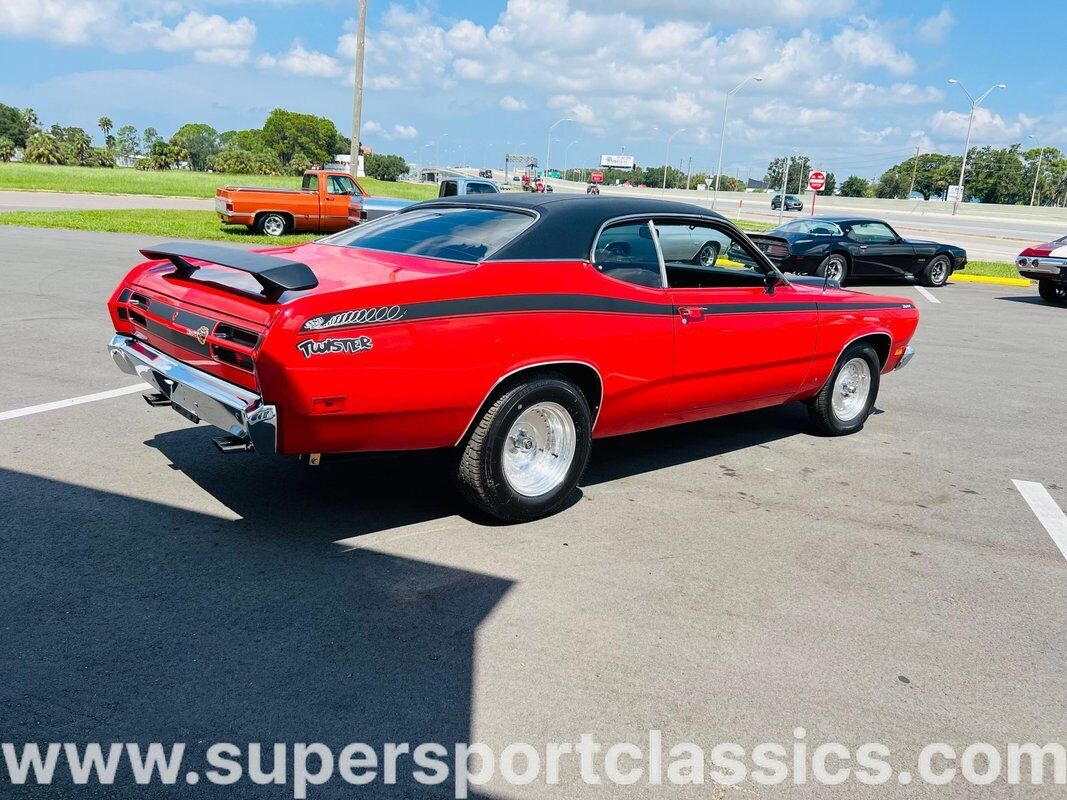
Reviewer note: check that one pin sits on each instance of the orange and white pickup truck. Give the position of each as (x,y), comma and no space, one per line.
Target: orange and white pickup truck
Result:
(320,204)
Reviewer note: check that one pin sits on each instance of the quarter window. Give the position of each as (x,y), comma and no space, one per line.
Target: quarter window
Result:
(627,252)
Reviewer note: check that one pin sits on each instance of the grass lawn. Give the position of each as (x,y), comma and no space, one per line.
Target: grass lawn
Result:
(157,223)
(992,269)
(172,183)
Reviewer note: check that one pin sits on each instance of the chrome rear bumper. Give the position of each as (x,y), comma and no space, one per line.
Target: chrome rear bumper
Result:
(198,395)
(909,354)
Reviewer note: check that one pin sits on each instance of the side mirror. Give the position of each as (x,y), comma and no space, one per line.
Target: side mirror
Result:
(770,281)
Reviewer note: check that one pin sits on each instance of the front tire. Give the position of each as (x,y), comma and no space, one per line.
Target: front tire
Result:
(842,406)
(1052,292)
(708,255)
(272,224)
(528,450)
(936,273)
(834,267)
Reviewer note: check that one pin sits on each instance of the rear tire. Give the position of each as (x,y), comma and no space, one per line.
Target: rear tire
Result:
(1052,292)
(509,466)
(842,406)
(708,255)
(936,273)
(834,266)
(272,224)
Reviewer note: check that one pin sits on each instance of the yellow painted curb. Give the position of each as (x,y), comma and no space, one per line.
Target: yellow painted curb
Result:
(986,279)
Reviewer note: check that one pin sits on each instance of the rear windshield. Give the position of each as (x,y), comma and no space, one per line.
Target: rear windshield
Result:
(452,234)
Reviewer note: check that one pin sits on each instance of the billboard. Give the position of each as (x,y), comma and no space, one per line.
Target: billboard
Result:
(617,162)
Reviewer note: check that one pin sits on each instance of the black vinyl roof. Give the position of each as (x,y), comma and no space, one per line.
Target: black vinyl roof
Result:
(566,223)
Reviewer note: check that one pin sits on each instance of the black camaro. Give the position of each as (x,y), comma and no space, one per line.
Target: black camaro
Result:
(840,248)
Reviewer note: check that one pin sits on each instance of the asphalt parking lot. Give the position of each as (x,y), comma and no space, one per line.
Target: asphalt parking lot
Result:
(726,581)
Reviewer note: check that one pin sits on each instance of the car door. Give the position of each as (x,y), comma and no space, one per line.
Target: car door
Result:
(334,214)
(737,345)
(878,251)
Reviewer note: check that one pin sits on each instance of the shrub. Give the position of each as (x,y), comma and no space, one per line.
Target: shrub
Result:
(384,168)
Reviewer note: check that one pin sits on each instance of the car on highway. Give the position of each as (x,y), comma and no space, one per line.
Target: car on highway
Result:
(509,330)
(1046,264)
(792,203)
(840,248)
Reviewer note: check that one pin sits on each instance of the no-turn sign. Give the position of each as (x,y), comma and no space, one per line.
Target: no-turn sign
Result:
(817,181)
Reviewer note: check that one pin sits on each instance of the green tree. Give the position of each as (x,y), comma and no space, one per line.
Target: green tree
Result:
(246,162)
(164,155)
(384,167)
(893,184)
(200,141)
(831,184)
(799,168)
(43,148)
(288,133)
(30,121)
(855,186)
(250,140)
(105,124)
(7,149)
(12,125)
(127,141)
(151,136)
(76,146)
(300,164)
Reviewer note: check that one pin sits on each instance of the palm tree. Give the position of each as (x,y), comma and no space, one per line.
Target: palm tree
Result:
(31,121)
(105,124)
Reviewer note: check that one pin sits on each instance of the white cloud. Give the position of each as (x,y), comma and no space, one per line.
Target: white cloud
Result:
(761,12)
(988,127)
(300,61)
(397,132)
(509,103)
(935,29)
(62,21)
(211,38)
(868,46)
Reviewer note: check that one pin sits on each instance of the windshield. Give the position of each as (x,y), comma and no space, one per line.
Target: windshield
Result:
(452,234)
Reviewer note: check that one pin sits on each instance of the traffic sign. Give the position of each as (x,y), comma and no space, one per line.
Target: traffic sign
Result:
(817,181)
(954,194)
(596,177)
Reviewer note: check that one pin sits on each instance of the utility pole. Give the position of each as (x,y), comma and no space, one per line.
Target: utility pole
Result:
(689,173)
(1037,175)
(914,171)
(357,99)
(785,183)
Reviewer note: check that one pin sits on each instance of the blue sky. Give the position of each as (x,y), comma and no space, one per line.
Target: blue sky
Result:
(856,84)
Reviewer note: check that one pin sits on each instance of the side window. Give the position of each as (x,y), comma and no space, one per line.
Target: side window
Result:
(340,184)
(701,256)
(627,252)
(449,189)
(873,233)
(480,188)
(310,182)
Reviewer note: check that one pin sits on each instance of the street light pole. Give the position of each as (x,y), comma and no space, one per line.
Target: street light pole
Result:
(566,157)
(914,170)
(667,159)
(722,137)
(785,183)
(357,97)
(970,125)
(548,151)
(1040,156)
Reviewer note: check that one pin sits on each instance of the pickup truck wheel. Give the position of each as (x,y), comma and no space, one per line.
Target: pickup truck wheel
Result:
(1052,292)
(528,451)
(272,224)
(842,406)
(936,272)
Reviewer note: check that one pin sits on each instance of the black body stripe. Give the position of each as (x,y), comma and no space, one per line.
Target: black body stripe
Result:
(177,337)
(506,304)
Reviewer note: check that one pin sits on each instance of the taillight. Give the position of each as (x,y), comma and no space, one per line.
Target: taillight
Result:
(229,206)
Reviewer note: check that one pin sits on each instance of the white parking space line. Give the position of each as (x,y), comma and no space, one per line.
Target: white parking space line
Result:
(927,294)
(1045,509)
(73,401)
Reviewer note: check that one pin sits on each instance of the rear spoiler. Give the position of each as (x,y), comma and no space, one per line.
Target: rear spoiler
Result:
(273,272)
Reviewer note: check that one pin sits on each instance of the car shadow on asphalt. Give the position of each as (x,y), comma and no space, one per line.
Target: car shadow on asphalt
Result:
(1028,299)
(124,620)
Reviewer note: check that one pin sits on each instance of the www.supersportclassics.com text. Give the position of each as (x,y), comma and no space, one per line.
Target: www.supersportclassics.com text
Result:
(304,765)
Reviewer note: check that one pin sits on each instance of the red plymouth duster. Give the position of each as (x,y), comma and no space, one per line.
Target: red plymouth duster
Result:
(513,330)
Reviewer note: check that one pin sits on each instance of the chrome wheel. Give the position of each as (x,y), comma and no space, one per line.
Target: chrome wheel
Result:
(851,389)
(834,269)
(938,272)
(273,225)
(539,449)
(707,256)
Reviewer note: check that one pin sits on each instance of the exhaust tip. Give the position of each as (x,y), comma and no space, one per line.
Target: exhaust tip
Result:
(232,444)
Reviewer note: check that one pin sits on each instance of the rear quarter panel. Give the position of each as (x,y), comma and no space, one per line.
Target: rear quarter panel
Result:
(422,381)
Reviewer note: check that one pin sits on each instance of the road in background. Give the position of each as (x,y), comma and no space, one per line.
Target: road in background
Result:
(726,581)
